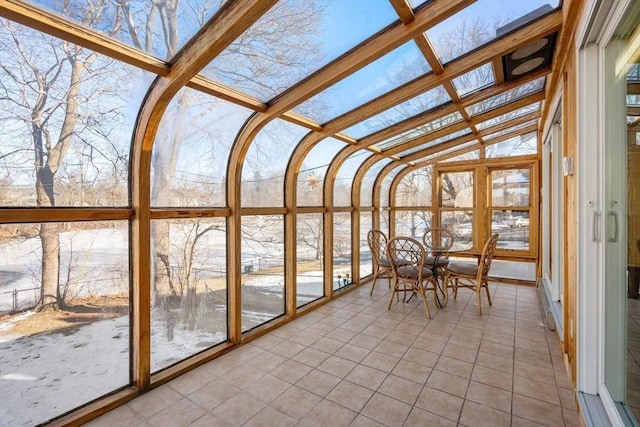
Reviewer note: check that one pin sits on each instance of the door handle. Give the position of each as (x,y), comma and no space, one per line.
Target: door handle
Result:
(615,229)
(595,226)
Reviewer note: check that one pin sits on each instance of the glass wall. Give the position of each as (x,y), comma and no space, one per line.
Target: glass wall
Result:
(342,275)
(189,302)
(68,114)
(510,207)
(54,361)
(457,200)
(366,262)
(262,263)
(310,256)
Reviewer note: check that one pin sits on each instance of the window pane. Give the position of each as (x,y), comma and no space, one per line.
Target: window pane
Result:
(366,191)
(386,185)
(415,188)
(366,262)
(313,171)
(513,227)
(85,164)
(191,151)
(456,189)
(344,179)
(520,145)
(262,269)
(341,250)
(461,225)
(310,268)
(294,39)
(189,295)
(55,361)
(384,222)
(412,223)
(144,29)
(266,163)
(510,187)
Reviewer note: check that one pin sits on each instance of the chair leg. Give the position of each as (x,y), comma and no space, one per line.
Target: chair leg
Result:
(424,300)
(455,288)
(394,292)
(486,288)
(479,293)
(373,284)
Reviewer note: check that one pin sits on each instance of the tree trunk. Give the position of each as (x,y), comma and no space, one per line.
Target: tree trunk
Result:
(50,266)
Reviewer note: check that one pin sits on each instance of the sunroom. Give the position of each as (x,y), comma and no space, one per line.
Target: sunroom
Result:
(189,187)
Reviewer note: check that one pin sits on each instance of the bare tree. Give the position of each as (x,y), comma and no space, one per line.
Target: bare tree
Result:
(42,87)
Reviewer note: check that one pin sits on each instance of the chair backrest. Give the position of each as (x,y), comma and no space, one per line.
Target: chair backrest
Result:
(377,244)
(438,240)
(487,256)
(408,257)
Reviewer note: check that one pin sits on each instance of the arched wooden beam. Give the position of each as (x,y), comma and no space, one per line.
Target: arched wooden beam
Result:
(226,25)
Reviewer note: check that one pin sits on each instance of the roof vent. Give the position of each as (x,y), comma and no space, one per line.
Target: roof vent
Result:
(532,56)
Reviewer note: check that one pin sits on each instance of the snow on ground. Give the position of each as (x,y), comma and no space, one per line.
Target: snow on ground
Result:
(51,373)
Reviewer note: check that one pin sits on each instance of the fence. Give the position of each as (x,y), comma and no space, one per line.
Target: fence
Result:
(21,299)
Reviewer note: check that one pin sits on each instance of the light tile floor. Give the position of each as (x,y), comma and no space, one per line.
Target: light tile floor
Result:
(352,362)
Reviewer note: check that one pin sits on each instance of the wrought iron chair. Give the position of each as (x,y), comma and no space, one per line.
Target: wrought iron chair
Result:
(381,264)
(473,276)
(437,242)
(409,271)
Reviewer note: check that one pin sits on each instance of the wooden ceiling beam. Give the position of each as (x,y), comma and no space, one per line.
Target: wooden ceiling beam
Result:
(59,27)
(476,58)
(404,10)
(365,53)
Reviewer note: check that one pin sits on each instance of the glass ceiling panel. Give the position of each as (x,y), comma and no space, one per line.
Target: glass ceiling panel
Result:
(476,79)
(381,76)
(435,142)
(508,96)
(344,178)
(423,102)
(447,151)
(517,146)
(509,116)
(422,130)
(366,191)
(294,39)
(471,155)
(144,21)
(480,23)
(509,130)
(314,170)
